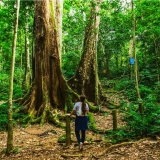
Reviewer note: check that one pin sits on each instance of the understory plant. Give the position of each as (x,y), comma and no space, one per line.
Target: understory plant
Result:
(120,135)
(146,124)
(17,117)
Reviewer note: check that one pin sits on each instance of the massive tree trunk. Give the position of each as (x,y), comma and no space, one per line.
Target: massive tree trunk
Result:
(58,4)
(86,79)
(49,90)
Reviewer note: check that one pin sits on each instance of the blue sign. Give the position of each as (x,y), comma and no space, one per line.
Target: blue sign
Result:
(131,60)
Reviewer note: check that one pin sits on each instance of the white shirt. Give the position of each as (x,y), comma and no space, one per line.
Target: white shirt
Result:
(78,108)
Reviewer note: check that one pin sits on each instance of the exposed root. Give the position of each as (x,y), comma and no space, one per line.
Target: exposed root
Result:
(96,130)
(54,118)
(109,101)
(119,145)
(40,134)
(72,155)
(29,119)
(46,116)
(45,111)
(157,137)
(92,107)
(26,99)
(36,120)
(115,146)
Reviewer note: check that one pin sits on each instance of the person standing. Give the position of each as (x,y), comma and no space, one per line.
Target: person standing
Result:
(81,109)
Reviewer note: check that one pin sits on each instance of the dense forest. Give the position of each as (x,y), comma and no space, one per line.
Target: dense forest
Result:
(52,51)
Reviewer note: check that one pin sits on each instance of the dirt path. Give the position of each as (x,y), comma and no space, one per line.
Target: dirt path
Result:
(40,143)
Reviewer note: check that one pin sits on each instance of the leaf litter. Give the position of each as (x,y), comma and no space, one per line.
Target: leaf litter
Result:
(32,144)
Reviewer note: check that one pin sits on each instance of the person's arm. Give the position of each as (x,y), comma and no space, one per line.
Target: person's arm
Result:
(87,109)
(73,112)
(74,109)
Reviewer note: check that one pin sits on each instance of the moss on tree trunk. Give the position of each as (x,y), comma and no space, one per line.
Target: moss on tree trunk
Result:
(86,79)
(49,90)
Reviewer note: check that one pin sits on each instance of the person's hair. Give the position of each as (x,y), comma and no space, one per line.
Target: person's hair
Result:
(82,99)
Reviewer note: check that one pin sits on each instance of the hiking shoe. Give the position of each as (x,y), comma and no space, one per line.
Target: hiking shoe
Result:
(81,146)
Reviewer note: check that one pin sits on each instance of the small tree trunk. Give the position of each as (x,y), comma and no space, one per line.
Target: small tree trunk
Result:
(21,63)
(68,131)
(130,56)
(141,110)
(117,61)
(114,114)
(10,119)
(107,59)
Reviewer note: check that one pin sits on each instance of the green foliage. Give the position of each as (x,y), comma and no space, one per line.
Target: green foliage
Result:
(138,125)
(4,85)
(91,123)
(18,90)
(113,47)
(4,118)
(16,150)
(119,135)
(147,124)
(113,38)
(62,139)
(148,76)
(74,20)
(17,117)
(157,93)
(145,91)
(128,87)
(70,63)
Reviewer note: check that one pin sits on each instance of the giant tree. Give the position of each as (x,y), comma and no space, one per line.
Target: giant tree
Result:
(86,79)
(49,90)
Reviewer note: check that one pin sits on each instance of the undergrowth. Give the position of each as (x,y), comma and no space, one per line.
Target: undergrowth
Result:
(17,117)
(137,125)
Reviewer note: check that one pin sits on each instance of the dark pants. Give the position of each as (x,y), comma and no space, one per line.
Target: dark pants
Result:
(82,137)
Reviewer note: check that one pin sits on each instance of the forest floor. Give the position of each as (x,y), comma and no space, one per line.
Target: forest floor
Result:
(41,143)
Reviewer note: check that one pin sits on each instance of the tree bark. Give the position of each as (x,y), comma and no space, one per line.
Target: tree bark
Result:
(68,130)
(10,118)
(27,56)
(58,4)
(139,100)
(86,79)
(114,115)
(131,56)
(49,90)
